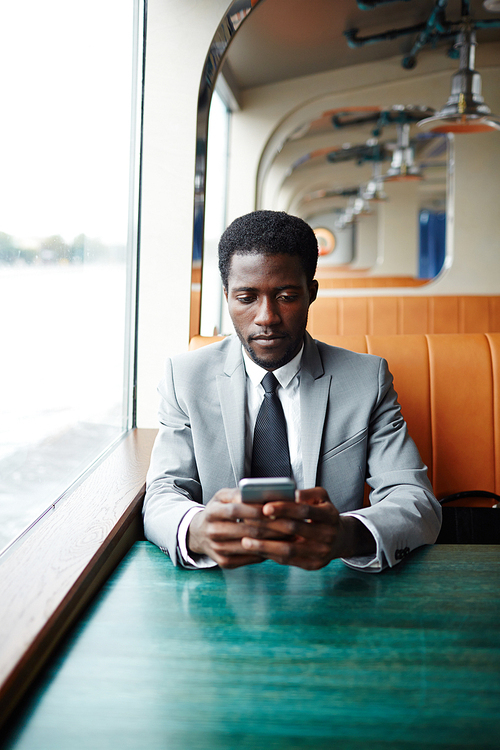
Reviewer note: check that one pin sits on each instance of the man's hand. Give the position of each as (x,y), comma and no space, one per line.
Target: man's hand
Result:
(314,532)
(218,530)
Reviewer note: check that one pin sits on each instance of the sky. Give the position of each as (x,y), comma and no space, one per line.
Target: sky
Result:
(65,94)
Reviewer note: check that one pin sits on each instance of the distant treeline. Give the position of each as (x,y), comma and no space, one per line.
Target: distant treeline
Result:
(54,249)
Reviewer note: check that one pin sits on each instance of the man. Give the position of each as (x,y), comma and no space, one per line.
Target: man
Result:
(338,409)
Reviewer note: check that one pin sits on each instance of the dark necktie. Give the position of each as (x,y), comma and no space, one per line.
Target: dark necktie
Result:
(270,457)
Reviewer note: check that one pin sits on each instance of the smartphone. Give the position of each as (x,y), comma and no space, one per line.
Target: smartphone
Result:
(262,490)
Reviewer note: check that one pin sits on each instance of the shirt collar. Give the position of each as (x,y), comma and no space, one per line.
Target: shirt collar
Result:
(284,375)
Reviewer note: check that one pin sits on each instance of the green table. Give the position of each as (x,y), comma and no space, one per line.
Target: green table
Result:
(272,657)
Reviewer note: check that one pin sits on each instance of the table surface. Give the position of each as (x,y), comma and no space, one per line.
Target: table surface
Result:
(274,657)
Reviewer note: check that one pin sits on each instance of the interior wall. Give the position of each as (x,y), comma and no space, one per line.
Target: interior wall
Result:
(367,241)
(178,39)
(344,247)
(475,262)
(398,231)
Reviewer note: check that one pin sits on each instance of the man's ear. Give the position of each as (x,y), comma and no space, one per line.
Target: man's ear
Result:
(313,291)
(225,292)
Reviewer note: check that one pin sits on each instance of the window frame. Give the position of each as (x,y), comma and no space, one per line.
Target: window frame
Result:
(51,575)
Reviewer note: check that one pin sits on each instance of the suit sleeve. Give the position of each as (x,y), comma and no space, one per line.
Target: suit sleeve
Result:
(403,508)
(172,485)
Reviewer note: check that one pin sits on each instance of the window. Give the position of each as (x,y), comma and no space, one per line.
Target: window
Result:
(67,244)
(215,214)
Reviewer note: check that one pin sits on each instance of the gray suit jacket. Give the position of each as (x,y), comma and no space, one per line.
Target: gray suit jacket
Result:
(352,432)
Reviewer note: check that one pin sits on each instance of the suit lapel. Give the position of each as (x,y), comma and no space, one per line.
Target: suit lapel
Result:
(314,392)
(231,388)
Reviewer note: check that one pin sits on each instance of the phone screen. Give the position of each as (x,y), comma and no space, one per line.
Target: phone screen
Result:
(262,490)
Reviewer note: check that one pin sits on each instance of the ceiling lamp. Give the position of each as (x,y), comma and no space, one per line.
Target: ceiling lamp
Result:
(465,111)
(347,217)
(403,165)
(374,190)
(361,207)
(357,206)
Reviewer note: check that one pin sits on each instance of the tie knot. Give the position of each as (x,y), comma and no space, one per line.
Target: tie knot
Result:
(269,383)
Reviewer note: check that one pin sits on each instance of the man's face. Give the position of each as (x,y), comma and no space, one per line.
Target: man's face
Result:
(268,298)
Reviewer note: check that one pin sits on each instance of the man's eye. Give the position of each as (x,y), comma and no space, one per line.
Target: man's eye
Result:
(288,297)
(246,300)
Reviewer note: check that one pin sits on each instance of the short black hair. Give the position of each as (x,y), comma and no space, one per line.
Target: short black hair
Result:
(269,233)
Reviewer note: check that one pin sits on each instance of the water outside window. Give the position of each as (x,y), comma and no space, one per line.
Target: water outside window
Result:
(66,244)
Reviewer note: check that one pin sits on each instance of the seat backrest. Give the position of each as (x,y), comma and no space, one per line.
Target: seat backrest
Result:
(198,341)
(448,386)
(384,316)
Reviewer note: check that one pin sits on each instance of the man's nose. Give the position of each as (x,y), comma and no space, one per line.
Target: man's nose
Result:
(267,313)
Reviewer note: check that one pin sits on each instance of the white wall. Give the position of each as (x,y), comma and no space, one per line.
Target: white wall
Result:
(178,39)
(398,230)
(367,240)
(475,267)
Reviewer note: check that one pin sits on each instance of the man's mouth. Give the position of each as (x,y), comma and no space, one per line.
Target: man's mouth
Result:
(263,338)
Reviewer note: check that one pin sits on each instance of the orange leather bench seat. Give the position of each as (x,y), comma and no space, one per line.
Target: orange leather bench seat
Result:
(448,386)
(357,282)
(404,314)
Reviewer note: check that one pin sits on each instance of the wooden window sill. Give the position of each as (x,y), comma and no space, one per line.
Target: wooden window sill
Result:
(47,580)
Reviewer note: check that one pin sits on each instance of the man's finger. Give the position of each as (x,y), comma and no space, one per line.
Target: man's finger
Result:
(313,496)
(228,495)
(232,548)
(289,529)
(257,529)
(300,553)
(230,562)
(232,511)
(323,513)
(224,531)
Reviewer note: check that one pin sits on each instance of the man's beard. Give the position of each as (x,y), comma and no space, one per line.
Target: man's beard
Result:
(267,364)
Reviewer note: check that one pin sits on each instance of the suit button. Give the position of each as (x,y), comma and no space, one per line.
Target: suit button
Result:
(400,553)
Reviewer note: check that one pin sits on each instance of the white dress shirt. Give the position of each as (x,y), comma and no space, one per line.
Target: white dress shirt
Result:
(288,378)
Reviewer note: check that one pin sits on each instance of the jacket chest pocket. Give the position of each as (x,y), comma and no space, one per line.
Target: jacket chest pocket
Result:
(341,471)
(355,441)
